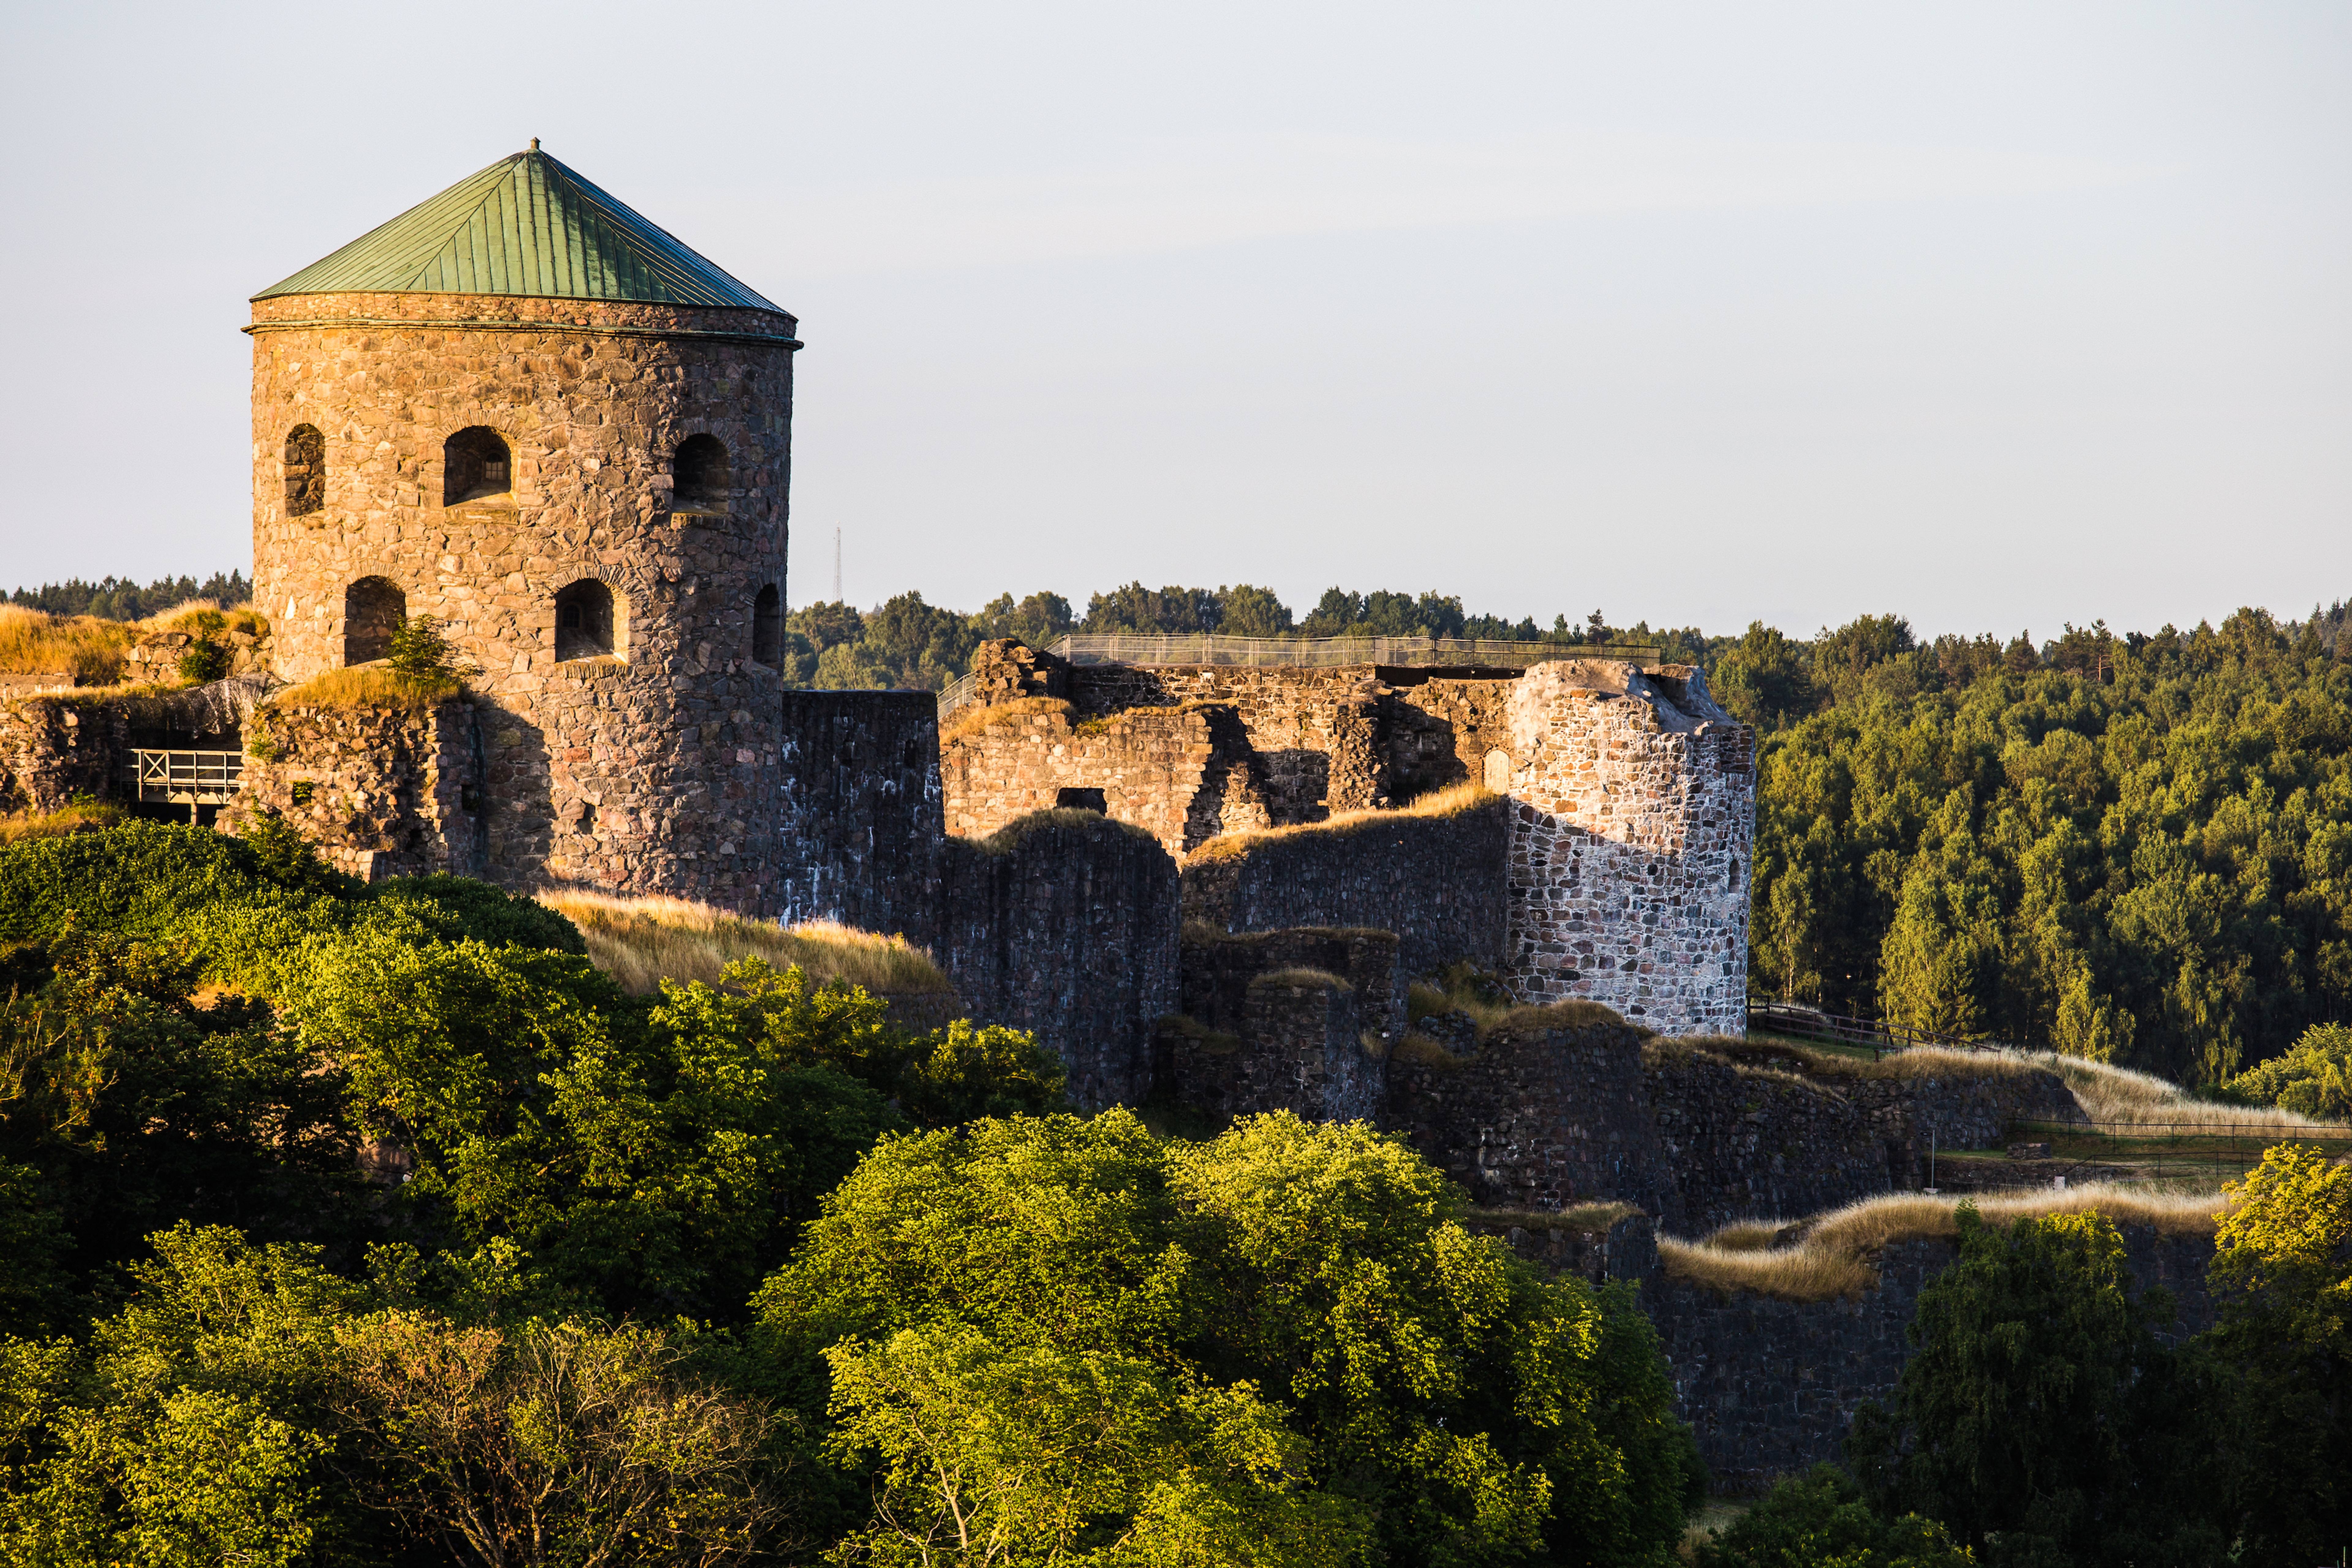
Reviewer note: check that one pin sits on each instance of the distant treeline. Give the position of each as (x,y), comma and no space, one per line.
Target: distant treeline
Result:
(125,599)
(907,642)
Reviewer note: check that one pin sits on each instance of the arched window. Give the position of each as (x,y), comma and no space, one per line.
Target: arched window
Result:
(700,471)
(306,470)
(589,621)
(474,464)
(374,608)
(768,627)
(1498,771)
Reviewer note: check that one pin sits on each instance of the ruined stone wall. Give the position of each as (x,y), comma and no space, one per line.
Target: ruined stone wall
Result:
(655,768)
(862,827)
(1436,881)
(1311,735)
(382,793)
(1003,762)
(54,748)
(1631,836)
(1442,729)
(1770,1387)
(1542,1113)
(1065,924)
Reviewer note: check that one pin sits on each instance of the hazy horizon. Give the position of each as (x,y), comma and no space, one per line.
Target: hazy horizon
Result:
(1996,319)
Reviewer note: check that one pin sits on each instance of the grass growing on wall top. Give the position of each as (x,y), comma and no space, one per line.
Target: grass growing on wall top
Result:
(372,685)
(1831,1256)
(641,942)
(972,719)
(1454,800)
(1584,1218)
(1302,976)
(1007,839)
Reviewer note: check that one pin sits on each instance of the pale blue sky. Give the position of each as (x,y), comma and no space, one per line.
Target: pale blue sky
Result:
(1995,315)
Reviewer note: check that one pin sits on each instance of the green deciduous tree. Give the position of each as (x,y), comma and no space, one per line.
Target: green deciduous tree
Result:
(2040,1417)
(1477,1412)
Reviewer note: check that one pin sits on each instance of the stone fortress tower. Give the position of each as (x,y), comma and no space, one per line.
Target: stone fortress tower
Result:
(522,408)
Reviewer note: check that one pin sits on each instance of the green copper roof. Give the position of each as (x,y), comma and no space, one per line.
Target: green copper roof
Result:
(526,224)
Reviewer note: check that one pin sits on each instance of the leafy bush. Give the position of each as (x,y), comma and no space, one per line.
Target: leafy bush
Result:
(1819,1519)
(2313,1077)
(457,907)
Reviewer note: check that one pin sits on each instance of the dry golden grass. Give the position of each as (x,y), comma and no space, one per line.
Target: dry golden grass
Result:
(1549,1015)
(1302,976)
(370,685)
(2119,1095)
(1450,801)
(81,817)
(1216,1042)
(1420,1050)
(1832,1255)
(1798,1274)
(641,942)
(81,649)
(971,719)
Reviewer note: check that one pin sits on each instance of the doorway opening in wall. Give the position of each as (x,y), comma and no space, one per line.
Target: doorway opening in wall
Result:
(588,622)
(475,466)
(1080,800)
(1498,771)
(768,627)
(374,608)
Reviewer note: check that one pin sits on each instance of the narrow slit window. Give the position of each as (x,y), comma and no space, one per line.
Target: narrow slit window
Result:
(305,470)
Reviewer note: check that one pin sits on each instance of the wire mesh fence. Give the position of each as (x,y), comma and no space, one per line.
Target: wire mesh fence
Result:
(1150,649)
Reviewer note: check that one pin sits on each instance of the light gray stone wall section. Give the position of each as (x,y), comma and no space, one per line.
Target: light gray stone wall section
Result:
(1633,831)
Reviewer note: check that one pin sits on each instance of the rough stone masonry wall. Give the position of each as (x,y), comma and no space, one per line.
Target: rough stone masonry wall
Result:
(1297,1044)
(382,792)
(1631,832)
(1539,1115)
(1770,1387)
(1310,735)
(1750,1140)
(862,826)
(1066,924)
(54,748)
(1218,971)
(656,769)
(1149,763)
(1436,881)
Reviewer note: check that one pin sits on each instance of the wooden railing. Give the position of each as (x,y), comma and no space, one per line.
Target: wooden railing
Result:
(186,777)
(1811,1023)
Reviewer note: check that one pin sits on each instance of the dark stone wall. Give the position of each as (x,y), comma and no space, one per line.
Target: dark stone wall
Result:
(1538,1115)
(1770,1387)
(1436,882)
(1220,967)
(1748,1139)
(863,825)
(1065,924)
(1295,1044)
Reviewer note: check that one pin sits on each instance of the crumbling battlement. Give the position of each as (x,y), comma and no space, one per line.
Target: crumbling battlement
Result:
(56,748)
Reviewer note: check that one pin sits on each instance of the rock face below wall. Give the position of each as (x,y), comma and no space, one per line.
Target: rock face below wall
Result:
(1547,1110)
(1770,1387)
(1065,924)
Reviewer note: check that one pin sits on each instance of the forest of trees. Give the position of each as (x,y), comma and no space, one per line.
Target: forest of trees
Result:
(124,599)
